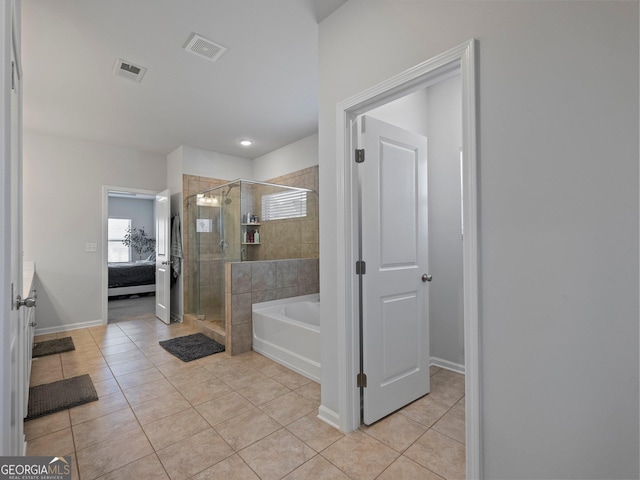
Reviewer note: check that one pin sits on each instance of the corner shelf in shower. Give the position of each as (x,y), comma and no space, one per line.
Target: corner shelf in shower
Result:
(245,226)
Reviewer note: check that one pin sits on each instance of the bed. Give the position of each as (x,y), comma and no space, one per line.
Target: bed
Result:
(132,278)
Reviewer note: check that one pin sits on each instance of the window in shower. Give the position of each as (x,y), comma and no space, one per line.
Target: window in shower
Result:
(283,205)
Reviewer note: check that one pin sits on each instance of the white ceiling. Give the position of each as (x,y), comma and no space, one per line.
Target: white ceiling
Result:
(263,88)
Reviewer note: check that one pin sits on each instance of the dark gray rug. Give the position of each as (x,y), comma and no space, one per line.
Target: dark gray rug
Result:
(56,396)
(192,347)
(49,347)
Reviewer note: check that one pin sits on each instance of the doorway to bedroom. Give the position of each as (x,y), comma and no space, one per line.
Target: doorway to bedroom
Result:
(130,255)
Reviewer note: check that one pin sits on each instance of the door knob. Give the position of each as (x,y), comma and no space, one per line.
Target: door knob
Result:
(27,302)
(426,278)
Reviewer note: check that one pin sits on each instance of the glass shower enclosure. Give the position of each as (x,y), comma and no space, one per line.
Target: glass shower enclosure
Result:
(225,225)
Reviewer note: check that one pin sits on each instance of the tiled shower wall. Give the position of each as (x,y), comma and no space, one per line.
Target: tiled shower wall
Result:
(247,283)
(291,238)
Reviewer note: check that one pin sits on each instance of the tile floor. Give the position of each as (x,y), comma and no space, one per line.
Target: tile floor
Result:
(242,417)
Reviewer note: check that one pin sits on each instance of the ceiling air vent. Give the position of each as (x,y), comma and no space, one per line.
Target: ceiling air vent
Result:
(202,47)
(126,69)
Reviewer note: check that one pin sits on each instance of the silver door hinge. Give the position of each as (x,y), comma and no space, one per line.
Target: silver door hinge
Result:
(359,155)
(361,267)
(361,380)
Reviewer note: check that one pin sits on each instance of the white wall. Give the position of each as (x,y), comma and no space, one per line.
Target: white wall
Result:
(290,158)
(63,180)
(205,163)
(558,221)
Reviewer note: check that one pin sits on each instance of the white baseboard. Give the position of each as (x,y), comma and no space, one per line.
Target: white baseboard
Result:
(329,416)
(64,328)
(447,365)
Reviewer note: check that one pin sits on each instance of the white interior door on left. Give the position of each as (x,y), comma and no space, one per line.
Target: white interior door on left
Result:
(163,255)
(395,327)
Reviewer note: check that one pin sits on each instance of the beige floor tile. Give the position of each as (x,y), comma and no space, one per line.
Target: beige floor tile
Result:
(232,468)
(291,379)
(360,456)
(160,407)
(106,387)
(318,468)
(199,393)
(124,346)
(57,444)
(291,453)
(241,378)
(148,467)
(396,431)
(177,367)
(148,391)
(123,357)
(44,338)
(161,358)
(41,377)
(447,387)
(134,365)
(263,391)
(111,454)
(314,432)
(311,391)
(195,375)
(195,454)
(105,405)
(175,428)
(288,408)
(433,370)
(97,374)
(48,424)
(224,407)
(271,369)
(47,362)
(140,377)
(440,454)
(112,341)
(102,428)
(404,468)
(452,424)
(426,410)
(247,428)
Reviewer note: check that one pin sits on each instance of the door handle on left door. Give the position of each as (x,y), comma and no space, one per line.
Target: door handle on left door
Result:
(167,262)
(27,302)
(426,277)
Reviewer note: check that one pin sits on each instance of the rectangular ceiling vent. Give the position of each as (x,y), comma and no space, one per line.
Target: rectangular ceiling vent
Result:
(126,69)
(202,47)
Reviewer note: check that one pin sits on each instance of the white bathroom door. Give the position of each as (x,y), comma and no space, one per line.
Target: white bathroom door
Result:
(163,256)
(394,245)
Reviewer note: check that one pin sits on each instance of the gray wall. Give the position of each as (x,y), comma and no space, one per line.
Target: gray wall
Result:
(63,180)
(558,220)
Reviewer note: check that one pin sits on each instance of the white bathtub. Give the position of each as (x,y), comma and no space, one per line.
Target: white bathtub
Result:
(288,332)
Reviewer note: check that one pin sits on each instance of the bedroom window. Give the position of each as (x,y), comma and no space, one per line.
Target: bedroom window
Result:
(117,229)
(287,204)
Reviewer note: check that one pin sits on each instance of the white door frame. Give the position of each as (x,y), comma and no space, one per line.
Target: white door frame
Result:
(105,240)
(461,59)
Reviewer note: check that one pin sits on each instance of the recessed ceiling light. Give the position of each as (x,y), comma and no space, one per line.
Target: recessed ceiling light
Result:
(246,142)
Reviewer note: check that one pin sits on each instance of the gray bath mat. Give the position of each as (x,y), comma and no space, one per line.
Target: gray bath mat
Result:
(54,397)
(192,347)
(49,347)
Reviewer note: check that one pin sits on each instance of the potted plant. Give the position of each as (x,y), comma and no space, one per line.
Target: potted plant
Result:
(138,239)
